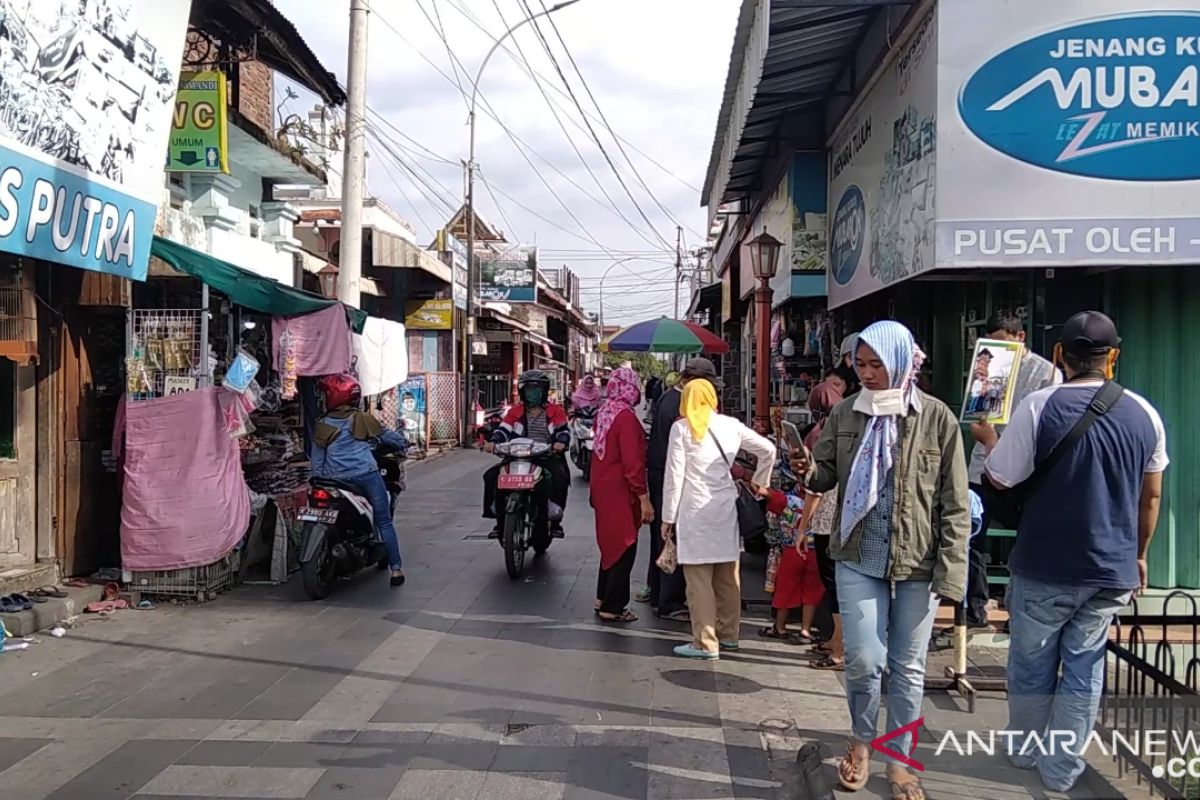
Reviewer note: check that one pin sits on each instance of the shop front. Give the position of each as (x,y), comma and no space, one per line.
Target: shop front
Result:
(1041,159)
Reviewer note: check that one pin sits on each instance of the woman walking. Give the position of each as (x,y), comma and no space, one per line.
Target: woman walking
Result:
(620,497)
(700,507)
(900,538)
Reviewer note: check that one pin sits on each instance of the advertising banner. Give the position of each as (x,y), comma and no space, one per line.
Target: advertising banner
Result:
(882,176)
(1069,133)
(448,243)
(509,275)
(199,137)
(429,315)
(412,419)
(86,92)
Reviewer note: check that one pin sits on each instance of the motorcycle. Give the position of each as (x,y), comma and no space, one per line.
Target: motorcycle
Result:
(583,424)
(337,527)
(488,422)
(525,518)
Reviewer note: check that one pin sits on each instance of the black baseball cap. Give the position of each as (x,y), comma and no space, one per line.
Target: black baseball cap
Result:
(1089,333)
(700,367)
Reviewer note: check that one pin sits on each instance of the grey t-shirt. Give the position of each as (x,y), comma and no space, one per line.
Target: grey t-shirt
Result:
(1035,373)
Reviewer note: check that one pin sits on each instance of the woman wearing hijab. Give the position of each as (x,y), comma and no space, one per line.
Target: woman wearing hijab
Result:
(587,394)
(699,506)
(620,496)
(899,539)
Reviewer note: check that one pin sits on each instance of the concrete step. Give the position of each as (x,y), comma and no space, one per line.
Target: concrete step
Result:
(52,612)
(24,578)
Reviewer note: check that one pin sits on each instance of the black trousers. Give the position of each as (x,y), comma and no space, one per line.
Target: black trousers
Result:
(612,586)
(827,569)
(977,585)
(560,483)
(668,593)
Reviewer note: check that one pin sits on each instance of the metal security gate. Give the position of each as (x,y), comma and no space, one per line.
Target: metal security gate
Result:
(442,399)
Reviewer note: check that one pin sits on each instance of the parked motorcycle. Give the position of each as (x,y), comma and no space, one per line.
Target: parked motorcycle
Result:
(337,527)
(583,424)
(525,518)
(488,422)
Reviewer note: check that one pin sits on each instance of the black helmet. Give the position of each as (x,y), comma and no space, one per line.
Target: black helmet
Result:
(533,377)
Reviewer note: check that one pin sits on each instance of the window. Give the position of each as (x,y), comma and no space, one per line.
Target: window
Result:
(8,408)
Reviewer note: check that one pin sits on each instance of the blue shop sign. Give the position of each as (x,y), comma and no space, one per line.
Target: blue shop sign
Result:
(849,230)
(1115,98)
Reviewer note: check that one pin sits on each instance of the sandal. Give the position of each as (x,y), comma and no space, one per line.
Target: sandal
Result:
(624,618)
(10,606)
(822,648)
(682,615)
(48,591)
(853,775)
(803,638)
(643,595)
(828,664)
(771,632)
(908,790)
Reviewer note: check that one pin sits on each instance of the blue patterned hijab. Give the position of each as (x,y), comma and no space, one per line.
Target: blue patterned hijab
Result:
(901,357)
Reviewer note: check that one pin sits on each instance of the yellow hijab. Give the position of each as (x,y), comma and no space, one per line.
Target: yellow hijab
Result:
(698,403)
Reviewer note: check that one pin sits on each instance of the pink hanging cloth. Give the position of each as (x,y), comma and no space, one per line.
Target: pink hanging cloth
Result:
(186,503)
(321,341)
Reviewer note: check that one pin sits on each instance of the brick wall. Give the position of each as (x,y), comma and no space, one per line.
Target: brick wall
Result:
(256,94)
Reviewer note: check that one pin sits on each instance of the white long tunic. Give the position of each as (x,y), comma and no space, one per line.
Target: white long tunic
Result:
(699,497)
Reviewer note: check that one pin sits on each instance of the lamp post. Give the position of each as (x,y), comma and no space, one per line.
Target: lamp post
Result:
(472,272)
(611,267)
(764,260)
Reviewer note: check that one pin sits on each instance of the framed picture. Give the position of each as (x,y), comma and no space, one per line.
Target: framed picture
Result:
(991,381)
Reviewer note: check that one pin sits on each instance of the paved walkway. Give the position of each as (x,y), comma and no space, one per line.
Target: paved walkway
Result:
(459,685)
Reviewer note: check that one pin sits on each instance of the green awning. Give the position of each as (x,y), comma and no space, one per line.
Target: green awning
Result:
(240,286)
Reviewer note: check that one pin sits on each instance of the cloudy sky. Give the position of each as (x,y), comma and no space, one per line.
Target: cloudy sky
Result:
(656,69)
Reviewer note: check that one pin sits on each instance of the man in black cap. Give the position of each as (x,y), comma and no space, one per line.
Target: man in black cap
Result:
(1080,554)
(667,594)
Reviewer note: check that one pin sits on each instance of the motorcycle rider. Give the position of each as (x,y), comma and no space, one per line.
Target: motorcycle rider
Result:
(344,440)
(534,417)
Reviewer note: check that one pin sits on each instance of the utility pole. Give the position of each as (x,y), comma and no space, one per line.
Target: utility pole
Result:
(678,265)
(349,282)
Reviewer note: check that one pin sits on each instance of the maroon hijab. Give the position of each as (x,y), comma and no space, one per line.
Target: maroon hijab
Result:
(821,400)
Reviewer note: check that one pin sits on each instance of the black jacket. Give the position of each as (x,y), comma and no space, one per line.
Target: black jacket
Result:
(660,430)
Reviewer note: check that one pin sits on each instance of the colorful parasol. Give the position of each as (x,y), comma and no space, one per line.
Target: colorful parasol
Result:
(664,335)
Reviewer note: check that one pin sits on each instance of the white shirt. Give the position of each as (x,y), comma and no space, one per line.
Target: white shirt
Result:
(699,496)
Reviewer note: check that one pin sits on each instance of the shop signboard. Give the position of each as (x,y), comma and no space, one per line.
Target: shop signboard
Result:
(412,414)
(449,243)
(429,315)
(199,136)
(1070,133)
(882,178)
(509,275)
(89,89)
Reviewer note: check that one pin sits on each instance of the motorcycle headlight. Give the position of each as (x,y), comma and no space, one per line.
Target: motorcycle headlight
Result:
(518,450)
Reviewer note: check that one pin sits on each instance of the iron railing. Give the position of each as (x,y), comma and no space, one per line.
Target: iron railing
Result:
(1152,683)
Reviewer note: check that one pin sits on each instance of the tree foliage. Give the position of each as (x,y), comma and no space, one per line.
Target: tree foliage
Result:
(646,364)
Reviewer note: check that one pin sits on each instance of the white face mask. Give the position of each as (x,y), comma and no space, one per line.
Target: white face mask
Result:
(880,403)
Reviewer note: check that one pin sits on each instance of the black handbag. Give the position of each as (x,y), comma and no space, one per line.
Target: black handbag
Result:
(751,516)
(1007,506)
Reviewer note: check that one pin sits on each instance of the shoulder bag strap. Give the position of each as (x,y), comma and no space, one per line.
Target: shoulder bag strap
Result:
(1105,398)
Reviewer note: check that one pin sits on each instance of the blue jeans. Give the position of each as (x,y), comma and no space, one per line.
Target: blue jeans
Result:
(375,490)
(1056,626)
(881,629)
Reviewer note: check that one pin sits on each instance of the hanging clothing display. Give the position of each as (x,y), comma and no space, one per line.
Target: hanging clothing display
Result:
(380,356)
(186,502)
(320,341)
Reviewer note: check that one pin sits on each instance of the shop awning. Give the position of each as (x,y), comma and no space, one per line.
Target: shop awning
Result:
(240,286)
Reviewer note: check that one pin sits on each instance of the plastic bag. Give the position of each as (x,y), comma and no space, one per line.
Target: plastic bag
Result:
(287,373)
(773,559)
(241,372)
(668,559)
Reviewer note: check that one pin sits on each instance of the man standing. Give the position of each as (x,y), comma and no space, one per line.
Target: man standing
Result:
(667,594)
(1034,373)
(1081,547)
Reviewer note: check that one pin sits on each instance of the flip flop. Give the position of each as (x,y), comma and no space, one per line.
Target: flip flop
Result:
(643,596)
(104,606)
(34,598)
(624,618)
(770,632)
(682,615)
(48,591)
(828,664)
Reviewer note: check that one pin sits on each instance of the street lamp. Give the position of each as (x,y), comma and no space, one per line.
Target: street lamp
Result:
(618,263)
(764,260)
(472,273)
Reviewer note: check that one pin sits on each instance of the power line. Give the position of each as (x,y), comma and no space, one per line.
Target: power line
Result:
(557,68)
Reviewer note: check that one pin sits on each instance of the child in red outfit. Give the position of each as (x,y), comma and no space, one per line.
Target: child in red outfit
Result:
(797,582)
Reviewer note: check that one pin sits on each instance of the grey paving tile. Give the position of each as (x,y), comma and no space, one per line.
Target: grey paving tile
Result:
(465,754)
(525,758)
(13,751)
(124,771)
(342,783)
(216,753)
(423,784)
(244,782)
(300,754)
(604,773)
(523,786)
(292,696)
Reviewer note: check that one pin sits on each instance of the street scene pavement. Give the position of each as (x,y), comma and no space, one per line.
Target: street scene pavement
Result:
(460,684)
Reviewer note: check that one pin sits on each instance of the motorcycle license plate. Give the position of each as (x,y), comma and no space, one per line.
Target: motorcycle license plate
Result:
(516,483)
(326,515)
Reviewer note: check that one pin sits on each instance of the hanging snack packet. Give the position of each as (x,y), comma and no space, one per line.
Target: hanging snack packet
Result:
(241,372)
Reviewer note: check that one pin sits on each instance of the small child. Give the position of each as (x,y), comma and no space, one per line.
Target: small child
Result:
(797,581)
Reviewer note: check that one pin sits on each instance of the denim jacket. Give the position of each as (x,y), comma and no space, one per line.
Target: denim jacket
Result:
(348,457)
